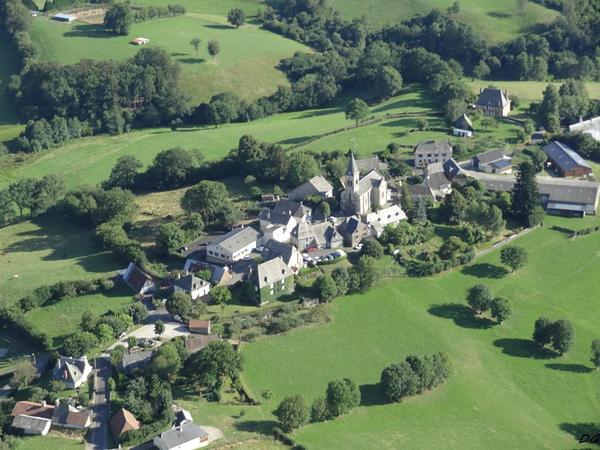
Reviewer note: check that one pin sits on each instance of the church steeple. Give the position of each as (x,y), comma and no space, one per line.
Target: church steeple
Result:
(352,174)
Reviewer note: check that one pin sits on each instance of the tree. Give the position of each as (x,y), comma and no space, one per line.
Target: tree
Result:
(538,158)
(214,362)
(22,192)
(115,205)
(131,342)
(596,353)
(388,82)
(138,312)
(195,42)
(526,197)
(119,18)
(302,167)
(236,17)
(23,374)
(479,298)
(170,168)
(213,48)
(166,362)
(500,309)
(318,410)
(398,381)
(124,173)
(357,110)
(562,336)
(170,238)
(159,327)
(104,333)
(481,70)
(211,200)
(341,397)
(514,257)
(341,279)
(542,331)
(371,247)
(366,271)
(454,207)
(180,304)
(324,288)
(221,295)
(78,344)
(548,111)
(292,413)
(488,122)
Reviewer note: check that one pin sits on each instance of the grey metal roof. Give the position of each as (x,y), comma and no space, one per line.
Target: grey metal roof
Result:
(272,271)
(489,156)
(236,239)
(492,97)
(556,189)
(182,434)
(434,147)
(564,156)
(34,424)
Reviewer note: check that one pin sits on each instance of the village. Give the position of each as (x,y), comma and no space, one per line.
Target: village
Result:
(314,225)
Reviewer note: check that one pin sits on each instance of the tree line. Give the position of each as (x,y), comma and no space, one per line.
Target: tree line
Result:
(120,16)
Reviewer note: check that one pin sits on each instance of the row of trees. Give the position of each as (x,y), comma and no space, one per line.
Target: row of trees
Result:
(414,375)
(565,105)
(30,195)
(120,17)
(361,277)
(340,398)
(43,134)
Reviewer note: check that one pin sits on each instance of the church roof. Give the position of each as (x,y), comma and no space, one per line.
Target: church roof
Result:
(352,166)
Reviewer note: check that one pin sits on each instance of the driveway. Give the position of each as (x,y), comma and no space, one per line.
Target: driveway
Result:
(172,330)
(98,434)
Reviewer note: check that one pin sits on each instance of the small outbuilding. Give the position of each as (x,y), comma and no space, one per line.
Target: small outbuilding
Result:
(140,41)
(122,422)
(62,17)
(199,326)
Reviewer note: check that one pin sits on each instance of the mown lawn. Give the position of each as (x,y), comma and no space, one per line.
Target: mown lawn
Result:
(49,441)
(503,394)
(496,21)
(246,64)
(33,254)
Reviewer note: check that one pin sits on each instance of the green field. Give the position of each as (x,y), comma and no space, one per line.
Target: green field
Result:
(496,20)
(33,254)
(530,91)
(245,65)
(503,394)
(49,441)
(63,318)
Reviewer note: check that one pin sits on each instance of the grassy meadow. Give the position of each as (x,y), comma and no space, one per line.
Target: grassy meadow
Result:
(53,441)
(45,252)
(246,64)
(530,91)
(504,392)
(496,20)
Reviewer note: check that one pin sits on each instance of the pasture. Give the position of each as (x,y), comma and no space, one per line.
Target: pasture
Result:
(246,64)
(504,392)
(45,252)
(53,441)
(530,91)
(497,21)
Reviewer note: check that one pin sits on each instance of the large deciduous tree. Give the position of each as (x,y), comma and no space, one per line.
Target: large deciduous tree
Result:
(211,200)
(292,413)
(357,110)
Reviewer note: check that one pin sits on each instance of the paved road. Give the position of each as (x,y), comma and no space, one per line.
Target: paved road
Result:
(98,435)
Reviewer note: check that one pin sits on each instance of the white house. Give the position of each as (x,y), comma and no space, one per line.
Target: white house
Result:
(73,372)
(232,246)
(378,220)
(193,286)
(188,436)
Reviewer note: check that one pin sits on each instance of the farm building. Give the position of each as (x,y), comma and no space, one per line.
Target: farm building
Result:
(493,161)
(317,186)
(139,41)
(590,126)
(565,161)
(463,126)
(232,246)
(557,196)
(62,17)
(493,102)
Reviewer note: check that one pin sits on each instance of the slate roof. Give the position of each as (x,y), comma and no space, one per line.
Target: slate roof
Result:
(325,233)
(289,207)
(434,147)
(123,421)
(351,224)
(420,190)
(369,181)
(489,156)
(274,249)
(190,283)
(70,369)
(366,165)
(352,167)
(135,360)
(272,271)
(564,156)
(463,122)
(236,239)
(492,97)
(181,435)
(67,415)
(316,185)
(136,278)
(303,231)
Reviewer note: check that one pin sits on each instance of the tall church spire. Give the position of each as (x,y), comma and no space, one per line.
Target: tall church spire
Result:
(352,166)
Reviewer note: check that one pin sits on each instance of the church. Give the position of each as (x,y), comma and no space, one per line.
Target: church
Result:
(363,195)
